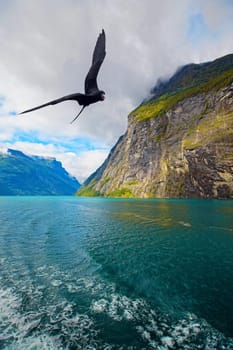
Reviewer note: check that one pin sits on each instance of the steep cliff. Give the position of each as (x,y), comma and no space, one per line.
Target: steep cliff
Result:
(179,143)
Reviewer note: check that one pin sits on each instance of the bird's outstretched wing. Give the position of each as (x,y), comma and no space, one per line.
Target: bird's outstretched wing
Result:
(97,59)
(75,97)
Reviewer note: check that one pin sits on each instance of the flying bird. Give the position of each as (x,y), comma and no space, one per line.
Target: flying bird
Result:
(92,92)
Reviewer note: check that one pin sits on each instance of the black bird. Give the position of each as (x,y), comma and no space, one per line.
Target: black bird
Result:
(92,92)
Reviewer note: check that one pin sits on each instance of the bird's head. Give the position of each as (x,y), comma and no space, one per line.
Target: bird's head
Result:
(102,95)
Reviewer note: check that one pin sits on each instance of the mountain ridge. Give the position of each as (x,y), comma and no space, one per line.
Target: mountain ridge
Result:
(191,75)
(22,174)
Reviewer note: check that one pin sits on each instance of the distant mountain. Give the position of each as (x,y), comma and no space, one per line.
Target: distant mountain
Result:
(21,174)
(179,141)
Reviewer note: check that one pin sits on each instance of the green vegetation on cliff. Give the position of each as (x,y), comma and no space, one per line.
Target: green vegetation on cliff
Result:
(166,102)
(88,190)
(210,129)
(124,192)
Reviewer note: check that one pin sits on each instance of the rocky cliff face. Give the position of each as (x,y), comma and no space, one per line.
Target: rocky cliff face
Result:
(179,144)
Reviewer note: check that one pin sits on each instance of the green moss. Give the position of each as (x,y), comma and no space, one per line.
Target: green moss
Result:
(88,190)
(165,102)
(122,193)
(160,137)
(105,180)
(151,109)
(131,183)
(209,130)
(228,156)
(188,143)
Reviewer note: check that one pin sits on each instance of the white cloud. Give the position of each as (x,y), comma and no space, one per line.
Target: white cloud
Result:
(46,49)
(85,163)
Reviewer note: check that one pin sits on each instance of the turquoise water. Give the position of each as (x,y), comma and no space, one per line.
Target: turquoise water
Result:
(80,273)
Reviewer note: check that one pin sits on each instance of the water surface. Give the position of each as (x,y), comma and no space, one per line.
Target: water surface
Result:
(80,273)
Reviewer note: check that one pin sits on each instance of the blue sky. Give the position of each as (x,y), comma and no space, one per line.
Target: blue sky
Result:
(46,49)
(197,29)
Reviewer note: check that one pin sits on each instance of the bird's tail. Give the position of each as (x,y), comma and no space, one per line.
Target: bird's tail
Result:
(77,115)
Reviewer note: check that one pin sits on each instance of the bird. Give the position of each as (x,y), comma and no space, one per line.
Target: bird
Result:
(92,93)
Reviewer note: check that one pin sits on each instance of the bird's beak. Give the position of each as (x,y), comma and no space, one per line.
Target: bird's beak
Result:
(102,97)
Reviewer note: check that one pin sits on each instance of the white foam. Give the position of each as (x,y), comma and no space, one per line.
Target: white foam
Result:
(72,288)
(34,330)
(183,223)
(40,342)
(168,341)
(146,335)
(128,315)
(99,306)
(56,283)
(2,261)
(155,329)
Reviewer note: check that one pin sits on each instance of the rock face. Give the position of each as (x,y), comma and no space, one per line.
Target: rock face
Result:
(32,175)
(177,144)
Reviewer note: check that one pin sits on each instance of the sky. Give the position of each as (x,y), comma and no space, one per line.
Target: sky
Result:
(46,52)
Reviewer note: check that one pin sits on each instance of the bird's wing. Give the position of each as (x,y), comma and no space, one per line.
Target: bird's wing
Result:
(97,59)
(76,97)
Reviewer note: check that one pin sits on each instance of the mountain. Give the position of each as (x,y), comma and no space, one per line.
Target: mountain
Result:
(21,174)
(179,142)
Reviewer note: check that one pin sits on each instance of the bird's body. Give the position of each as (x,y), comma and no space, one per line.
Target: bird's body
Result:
(92,92)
